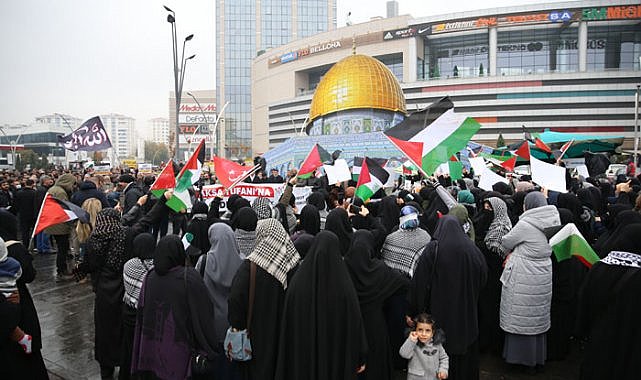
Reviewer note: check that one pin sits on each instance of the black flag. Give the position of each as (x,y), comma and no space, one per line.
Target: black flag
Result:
(90,136)
(597,163)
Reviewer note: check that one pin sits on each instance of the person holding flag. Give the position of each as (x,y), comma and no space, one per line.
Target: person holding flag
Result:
(62,191)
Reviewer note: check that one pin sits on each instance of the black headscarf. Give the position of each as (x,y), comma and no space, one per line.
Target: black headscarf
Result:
(169,253)
(338,223)
(303,243)
(430,217)
(8,225)
(453,292)
(373,280)
(317,199)
(627,240)
(323,336)
(566,216)
(622,221)
(144,246)
(310,219)
(389,213)
(245,219)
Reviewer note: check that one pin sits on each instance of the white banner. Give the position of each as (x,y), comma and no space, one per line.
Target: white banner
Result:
(489,178)
(144,168)
(546,175)
(251,191)
(338,172)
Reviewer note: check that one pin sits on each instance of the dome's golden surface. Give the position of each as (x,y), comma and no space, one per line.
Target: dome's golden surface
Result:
(358,81)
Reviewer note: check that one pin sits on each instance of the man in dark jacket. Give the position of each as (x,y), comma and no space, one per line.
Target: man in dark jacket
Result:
(88,189)
(130,192)
(23,203)
(275,177)
(6,197)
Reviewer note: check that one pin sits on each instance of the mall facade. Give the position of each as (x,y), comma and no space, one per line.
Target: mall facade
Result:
(568,66)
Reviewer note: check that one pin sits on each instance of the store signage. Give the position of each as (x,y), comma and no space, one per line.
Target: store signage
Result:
(612,13)
(193,108)
(324,47)
(453,26)
(196,118)
(562,16)
(532,46)
(399,33)
(189,138)
(288,57)
(204,129)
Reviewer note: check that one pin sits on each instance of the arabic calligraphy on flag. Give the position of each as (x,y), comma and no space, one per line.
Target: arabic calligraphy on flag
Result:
(90,136)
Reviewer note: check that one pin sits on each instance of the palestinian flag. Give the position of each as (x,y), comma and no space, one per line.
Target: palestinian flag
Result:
(456,168)
(188,176)
(229,173)
(541,145)
(524,151)
(509,164)
(558,154)
(569,242)
(166,180)
(314,160)
(55,211)
(358,163)
(436,136)
(371,179)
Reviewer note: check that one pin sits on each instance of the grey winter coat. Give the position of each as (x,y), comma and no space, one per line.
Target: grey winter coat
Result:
(61,190)
(526,293)
(424,362)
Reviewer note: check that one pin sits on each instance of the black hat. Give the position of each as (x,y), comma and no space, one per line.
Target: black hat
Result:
(126,178)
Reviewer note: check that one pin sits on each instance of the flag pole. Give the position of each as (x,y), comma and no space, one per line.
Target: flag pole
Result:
(33,234)
(242,178)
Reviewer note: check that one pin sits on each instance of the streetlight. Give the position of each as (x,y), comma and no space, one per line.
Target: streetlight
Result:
(213,131)
(12,145)
(179,72)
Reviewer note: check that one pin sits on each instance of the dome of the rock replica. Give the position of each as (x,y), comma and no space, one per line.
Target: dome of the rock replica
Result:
(358,94)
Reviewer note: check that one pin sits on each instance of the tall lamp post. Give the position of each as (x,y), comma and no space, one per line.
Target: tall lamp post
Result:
(179,72)
(213,131)
(12,145)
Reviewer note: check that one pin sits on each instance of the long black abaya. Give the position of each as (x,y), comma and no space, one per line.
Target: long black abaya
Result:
(374,283)
(451,294)
(609,314)
(338,223)
(322,334)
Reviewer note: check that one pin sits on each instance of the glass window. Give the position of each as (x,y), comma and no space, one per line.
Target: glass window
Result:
(460,56)
(613,47)
(543,50)
(394,62)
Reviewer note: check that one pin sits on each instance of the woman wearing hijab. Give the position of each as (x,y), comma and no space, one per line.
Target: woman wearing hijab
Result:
(317,199)
(446,284)
(388,213)
(375,283)
(134,273)
(526,292)
(262,208)
(245,230)
(30,366)
(275,258)
(108,248)
(221,263)
(172,321)
(403,248)
(338,223)
(609,313)
(495,211)
(198,226)
(322,335)
(623,219)
(308,222)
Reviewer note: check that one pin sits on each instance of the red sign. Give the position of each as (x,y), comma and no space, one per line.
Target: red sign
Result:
(207,107)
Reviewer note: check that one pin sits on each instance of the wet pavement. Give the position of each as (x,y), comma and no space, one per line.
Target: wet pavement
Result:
(65,309)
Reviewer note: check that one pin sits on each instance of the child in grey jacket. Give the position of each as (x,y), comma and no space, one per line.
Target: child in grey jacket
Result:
(424,349)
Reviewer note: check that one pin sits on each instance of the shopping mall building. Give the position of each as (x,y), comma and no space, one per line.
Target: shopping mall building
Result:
(568,66)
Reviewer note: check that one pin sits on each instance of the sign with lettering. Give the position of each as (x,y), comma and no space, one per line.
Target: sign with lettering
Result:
(612,13)
(193,108)
(251,191)
(196,118)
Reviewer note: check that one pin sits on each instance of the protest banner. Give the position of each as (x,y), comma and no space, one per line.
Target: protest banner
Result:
(251,191)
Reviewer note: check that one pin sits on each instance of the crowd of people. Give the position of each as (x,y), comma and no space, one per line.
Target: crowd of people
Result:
(420,280)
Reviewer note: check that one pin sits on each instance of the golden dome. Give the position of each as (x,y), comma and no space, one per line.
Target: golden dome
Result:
(357,81)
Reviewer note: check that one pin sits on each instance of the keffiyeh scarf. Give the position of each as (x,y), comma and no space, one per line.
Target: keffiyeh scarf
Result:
(274,251)
(108,239)
(499,227)
(625,259)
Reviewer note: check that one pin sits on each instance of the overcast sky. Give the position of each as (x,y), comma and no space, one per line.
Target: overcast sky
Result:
(92,57)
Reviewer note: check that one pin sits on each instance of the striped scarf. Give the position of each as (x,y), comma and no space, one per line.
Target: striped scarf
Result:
(499,227)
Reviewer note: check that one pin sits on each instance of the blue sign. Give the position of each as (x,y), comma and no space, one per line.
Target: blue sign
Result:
(562,16)
(291,56)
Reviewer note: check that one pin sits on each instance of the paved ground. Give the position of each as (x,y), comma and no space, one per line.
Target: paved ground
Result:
(66,317)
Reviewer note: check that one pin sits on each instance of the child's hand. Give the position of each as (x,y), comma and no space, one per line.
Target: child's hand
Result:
(25,343)
(442,375)
(414,336)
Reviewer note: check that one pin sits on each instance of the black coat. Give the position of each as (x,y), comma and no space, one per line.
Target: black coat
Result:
(131,195)
(88,190)
(265,325)
(23,204)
